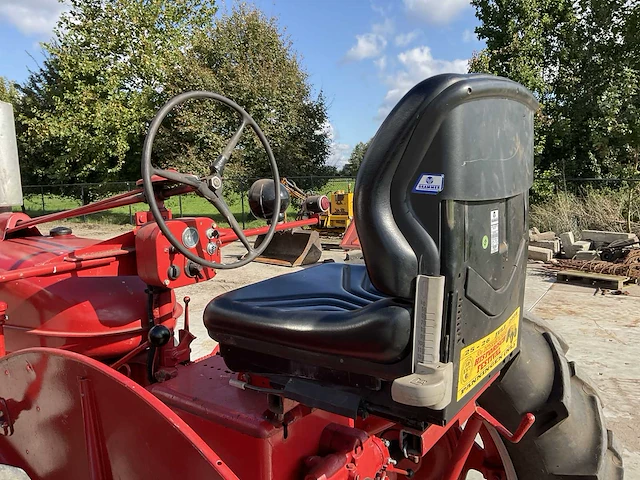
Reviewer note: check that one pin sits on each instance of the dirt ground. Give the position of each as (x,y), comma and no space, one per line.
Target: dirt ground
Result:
(603,331)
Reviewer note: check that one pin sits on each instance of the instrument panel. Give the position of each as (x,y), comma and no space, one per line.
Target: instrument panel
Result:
(160,264)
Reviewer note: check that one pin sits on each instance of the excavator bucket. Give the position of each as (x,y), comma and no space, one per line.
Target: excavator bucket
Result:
(291,248)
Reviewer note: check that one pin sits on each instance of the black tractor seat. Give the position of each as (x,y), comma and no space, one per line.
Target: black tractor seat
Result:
(440,206)
(331,309)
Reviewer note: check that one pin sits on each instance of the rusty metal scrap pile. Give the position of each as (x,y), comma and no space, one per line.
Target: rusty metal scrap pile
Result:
(629,266)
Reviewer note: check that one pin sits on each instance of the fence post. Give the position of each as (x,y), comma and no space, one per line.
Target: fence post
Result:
(42,195)
(242,203)
(130,211)
(84,217)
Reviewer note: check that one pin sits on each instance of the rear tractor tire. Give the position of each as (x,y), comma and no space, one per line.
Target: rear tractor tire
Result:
(569,439)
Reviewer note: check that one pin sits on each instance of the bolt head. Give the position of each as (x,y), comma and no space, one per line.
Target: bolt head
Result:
(216,182)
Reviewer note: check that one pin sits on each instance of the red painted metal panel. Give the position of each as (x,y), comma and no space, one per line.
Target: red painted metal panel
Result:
(155,254)
(75,418)
(233,422)
(97,316)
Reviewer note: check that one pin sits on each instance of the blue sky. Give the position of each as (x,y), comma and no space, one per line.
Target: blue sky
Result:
(363,54)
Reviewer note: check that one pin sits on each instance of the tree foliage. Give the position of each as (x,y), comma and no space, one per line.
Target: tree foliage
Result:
(580,60)
(355,159)
(246,57)
(85,110)
(8,91)
(113,63)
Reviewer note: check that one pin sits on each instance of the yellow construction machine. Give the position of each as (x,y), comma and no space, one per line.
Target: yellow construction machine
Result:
(334,212)
(317,213)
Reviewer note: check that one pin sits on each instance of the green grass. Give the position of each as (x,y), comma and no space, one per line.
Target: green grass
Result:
(190,205)
(186,205)
(344,184)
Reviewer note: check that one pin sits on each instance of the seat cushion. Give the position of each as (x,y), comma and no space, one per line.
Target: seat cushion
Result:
(330,308)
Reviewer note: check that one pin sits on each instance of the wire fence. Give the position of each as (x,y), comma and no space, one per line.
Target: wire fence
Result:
(45,199)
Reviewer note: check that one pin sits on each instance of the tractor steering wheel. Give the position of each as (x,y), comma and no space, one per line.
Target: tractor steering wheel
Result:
(209,187)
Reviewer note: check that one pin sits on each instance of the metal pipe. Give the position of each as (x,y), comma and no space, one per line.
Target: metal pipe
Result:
(186,301)
(11,186)
(3,319)
(121,200)
(463,448)
(53,269)
(140,348)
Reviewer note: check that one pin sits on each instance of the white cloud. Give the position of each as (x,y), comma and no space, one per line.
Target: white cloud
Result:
(416,64)
(435,11)
(381,9)
(381,63)
(373,43)
(469,36)
(339,156)
(385,28)
(338,152)
(405,39)
(32,17)
(368,45)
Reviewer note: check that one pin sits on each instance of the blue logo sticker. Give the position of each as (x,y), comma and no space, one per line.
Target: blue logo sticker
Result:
(429,183)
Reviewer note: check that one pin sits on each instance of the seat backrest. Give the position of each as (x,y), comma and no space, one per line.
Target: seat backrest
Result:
(444,181)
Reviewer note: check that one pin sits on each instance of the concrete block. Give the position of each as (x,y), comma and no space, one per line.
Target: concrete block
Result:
(579,246)
(539,253)
(543,236)
(553,245)
(607,237)
(567,239)
(586,255)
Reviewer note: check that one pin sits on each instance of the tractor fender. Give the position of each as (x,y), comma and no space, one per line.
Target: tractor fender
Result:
(70,417)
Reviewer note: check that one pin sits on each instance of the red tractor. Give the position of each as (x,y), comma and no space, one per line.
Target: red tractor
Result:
(419,364)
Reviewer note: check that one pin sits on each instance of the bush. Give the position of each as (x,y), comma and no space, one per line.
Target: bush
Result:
(592,209)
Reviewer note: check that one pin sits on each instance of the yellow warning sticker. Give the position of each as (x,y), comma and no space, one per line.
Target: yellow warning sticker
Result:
(478,359)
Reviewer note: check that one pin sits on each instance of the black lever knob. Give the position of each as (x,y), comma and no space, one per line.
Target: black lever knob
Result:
(159,335)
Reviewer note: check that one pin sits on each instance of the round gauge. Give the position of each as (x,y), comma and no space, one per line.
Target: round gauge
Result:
(190,237)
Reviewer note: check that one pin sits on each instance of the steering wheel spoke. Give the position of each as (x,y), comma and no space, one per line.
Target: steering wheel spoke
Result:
(218,165)
(172,175)
(211,192)
(222,207)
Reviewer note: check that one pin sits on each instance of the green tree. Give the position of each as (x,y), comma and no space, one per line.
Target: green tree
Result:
(84,113)
(576,58)
(8,91)
(245,56)
(355,159)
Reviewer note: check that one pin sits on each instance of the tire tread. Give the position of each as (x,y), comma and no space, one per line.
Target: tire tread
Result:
(570,440)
